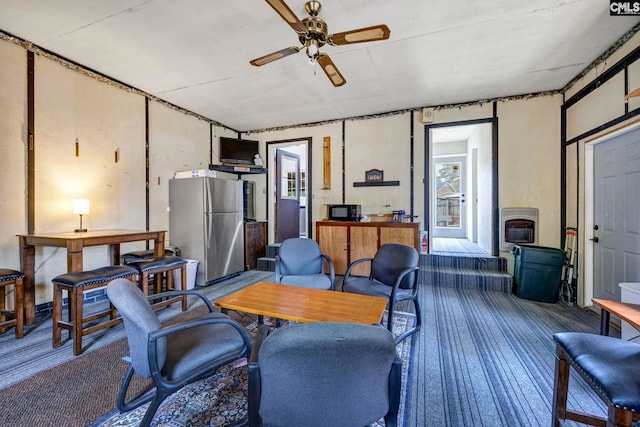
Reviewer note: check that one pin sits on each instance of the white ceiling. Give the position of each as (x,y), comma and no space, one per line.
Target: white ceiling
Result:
(195,53)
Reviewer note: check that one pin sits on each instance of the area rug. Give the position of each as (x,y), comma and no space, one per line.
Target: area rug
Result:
(221,399)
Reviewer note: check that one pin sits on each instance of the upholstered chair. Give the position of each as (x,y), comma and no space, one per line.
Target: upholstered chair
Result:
(610,366)
(299,262)
(173,356)
(394,275)
(324,374)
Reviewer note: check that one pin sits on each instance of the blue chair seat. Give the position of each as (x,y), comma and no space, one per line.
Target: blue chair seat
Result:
(161,263)
(363,285)
(316,281)
(609,365)
(101,276)
(8,274)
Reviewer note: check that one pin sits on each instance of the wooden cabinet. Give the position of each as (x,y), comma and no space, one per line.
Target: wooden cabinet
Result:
(345,242)
(255,243)
(333,243)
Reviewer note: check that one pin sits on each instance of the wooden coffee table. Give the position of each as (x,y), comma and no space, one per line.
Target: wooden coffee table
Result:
(304,304)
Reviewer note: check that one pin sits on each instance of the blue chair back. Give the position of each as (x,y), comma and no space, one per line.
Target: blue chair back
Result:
(300,256)
(390,260)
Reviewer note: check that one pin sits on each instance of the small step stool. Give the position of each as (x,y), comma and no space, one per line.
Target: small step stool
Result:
(268,262)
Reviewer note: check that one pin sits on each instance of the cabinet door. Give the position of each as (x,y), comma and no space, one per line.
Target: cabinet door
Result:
(254,243)
(333,243)
(363,244)
(398,235)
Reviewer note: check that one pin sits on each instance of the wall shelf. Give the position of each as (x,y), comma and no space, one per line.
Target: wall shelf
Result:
(238,170)
(376,184)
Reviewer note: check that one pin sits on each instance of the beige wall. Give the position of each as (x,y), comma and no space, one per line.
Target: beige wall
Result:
(105,119)
(13,142)
(595,110)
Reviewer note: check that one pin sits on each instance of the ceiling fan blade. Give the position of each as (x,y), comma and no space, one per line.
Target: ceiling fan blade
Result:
(367,34)
(275,55)
(331,70)
(283,10)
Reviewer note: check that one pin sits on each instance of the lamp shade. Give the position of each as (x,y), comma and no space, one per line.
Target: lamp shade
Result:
(80,206)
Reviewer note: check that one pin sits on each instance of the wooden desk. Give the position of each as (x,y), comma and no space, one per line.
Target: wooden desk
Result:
(304,304)
(74,243)
(630,313)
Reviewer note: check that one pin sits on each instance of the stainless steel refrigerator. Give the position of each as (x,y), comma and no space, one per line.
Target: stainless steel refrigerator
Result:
(205,222)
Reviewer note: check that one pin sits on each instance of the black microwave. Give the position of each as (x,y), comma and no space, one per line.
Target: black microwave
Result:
(344,212)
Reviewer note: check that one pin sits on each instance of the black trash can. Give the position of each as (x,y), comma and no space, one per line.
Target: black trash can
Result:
(537,272)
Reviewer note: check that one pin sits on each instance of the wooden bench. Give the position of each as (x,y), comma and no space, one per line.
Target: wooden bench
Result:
(161,269)
(16,316)
(76,284)
(630,313)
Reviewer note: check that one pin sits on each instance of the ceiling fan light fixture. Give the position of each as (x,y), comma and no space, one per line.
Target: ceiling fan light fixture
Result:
(313,33)
(312,50)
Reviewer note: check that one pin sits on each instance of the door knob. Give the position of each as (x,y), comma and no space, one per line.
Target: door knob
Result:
(595,240)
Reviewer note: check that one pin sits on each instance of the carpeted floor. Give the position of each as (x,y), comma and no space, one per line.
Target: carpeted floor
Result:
(481,359)
(456,247)
(221,399)
(487,359)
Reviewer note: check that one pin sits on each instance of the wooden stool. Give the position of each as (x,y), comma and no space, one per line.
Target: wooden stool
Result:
(76,284)
(162,269)
(15,317)
(609,366)
(147,255)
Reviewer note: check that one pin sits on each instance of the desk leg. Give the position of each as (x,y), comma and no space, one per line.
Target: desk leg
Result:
(604,322)
(27,265)
(114,252)
(74,255)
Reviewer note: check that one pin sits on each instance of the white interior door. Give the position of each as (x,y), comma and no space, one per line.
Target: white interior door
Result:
(616,229)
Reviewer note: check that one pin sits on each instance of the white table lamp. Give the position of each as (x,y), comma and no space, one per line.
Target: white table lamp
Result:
(80,207)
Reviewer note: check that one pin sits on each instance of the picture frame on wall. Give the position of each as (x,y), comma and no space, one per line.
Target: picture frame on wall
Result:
(374,175)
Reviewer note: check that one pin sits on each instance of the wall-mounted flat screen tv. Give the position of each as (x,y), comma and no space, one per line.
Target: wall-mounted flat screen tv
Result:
(237,151)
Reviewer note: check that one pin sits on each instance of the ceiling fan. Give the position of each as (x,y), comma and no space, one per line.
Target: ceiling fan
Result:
(313,33)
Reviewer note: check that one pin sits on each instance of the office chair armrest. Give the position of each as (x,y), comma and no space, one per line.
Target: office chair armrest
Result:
(180,293)
(213,318)
(277,271)
(210,319)
(332,272)
(353,264)
(400,277)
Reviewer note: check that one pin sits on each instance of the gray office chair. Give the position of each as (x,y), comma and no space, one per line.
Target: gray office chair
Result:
(173,356)
(324,374)
(299,262)
(394,275)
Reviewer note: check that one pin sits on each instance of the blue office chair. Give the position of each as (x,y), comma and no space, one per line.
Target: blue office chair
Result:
(394,275)
(324,374)
(300,263)
(176,355)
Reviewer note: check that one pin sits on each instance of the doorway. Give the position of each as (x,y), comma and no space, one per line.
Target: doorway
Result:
(289,175)
(612,228)
(461,176)
(449,190)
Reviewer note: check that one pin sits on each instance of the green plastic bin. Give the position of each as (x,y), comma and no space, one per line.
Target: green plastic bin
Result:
(537,272)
